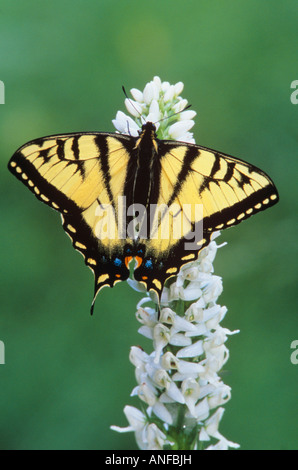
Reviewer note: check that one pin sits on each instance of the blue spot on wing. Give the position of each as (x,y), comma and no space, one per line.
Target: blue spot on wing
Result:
(118,262)
(148,264)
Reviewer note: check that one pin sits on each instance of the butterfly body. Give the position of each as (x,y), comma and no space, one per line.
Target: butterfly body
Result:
(124,197)
(144,170)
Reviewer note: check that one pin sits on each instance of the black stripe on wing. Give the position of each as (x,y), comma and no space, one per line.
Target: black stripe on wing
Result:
(191,154)
(233,215)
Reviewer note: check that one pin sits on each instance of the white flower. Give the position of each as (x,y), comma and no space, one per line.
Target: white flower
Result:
(155,438)
(210,429)
(136,419)
(137,95)
(180,128)
(161,337)
(148,436)
(125,124)
(193,350)
(189,376)
(181,374)
(161,104)
(191,391)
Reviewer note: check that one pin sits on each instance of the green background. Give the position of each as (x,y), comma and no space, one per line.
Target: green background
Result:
(67,375)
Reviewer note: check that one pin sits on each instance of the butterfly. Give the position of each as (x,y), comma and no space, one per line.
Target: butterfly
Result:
(125,198)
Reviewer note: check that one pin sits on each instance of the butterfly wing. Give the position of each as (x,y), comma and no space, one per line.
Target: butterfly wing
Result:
(81,175)
(227,190)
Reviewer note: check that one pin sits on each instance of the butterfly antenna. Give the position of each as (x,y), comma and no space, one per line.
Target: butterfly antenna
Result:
(174,114)
(124,91)
(132,104)
(128,130)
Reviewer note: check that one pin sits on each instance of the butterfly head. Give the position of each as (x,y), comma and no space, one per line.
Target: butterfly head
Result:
(148,127)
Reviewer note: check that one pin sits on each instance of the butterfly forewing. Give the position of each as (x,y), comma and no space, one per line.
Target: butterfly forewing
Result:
(80,175)
(229,189)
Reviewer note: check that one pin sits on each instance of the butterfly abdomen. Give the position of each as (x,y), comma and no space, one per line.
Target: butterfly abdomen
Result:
(141,188)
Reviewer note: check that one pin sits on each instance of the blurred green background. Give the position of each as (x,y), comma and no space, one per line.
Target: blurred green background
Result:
(67,375)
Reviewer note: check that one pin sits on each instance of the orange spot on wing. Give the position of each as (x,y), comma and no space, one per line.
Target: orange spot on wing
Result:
(139,261)
(127,260)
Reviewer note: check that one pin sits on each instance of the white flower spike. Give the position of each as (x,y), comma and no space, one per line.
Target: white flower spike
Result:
(178,382)
(159,101)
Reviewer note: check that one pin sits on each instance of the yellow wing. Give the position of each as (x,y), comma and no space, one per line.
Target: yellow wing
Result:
(204,191)
(81,176)
(229,189)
